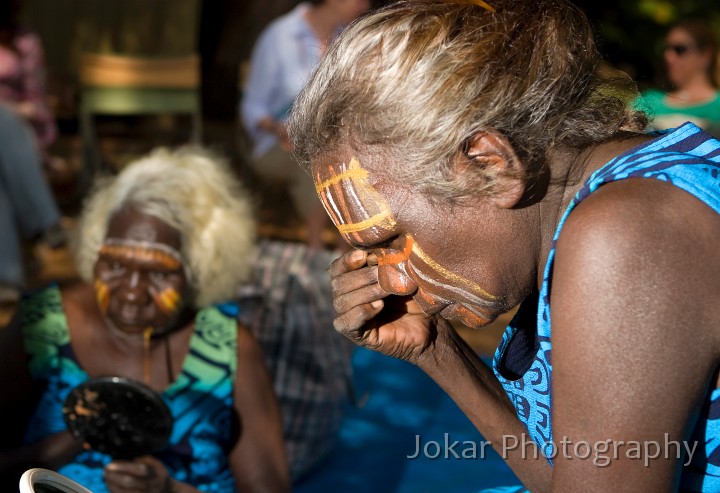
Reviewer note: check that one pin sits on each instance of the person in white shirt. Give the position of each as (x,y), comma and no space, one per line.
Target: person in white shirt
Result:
(284,57)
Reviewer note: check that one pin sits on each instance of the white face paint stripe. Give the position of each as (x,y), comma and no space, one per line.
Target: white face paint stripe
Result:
(335,212)
(459,280)
(469,297)
(358,195)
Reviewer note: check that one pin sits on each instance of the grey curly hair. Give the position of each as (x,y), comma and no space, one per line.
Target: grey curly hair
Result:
(193,191)
(417,79)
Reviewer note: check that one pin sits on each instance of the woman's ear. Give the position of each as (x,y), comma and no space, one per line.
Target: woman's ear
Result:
(493,152)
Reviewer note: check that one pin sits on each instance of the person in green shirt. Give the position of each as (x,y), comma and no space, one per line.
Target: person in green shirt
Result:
(691,52)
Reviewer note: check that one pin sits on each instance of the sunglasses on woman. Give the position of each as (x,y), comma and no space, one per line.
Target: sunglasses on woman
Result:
(679,49)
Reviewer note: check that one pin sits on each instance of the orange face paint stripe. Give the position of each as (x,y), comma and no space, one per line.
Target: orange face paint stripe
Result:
(396,258)
(376,220)
(120,251)
(427,298)
(170,296)
(167,300)
(370,202)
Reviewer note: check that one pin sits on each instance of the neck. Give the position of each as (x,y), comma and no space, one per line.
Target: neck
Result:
(570,171)
(128,340)
(698,88)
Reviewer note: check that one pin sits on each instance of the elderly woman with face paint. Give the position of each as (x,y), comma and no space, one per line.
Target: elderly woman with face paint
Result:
(477,162)
(161,245)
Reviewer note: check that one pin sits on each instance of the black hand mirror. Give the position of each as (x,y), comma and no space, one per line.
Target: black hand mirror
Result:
(118,416)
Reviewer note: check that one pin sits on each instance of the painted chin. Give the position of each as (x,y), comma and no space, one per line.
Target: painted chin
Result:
(473,318)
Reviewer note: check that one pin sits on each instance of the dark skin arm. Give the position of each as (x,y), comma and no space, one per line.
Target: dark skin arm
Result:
(647,305)
(634,314)
(17,402)
(258,460)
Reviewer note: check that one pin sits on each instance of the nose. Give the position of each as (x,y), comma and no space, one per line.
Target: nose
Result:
(393,279)
(133,290)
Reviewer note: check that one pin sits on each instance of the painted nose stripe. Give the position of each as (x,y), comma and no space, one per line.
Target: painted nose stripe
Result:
(397,258)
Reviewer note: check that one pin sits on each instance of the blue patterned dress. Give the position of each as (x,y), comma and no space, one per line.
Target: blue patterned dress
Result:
(200,399)
(690,160)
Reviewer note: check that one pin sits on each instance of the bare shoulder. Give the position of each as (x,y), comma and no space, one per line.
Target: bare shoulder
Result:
(77,293)
(638,208)
(248,348)
(644,239)
(634,320)
(80,307)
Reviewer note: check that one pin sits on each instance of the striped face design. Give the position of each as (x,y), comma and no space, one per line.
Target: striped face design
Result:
(357,209)
(138,284)
(365,219)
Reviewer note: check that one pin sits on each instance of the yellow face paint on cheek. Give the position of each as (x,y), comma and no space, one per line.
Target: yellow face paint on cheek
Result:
(356,208)
(102,295)
(168,300)
(457,280)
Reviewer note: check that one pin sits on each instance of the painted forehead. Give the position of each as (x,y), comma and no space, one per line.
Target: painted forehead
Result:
(359,211)
(364,217)
(150,251)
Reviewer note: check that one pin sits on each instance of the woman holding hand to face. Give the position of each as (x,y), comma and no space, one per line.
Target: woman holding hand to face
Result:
(160,246)
(476,162)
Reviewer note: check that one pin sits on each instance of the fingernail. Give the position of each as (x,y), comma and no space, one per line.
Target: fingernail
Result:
(357,255)
(376,303)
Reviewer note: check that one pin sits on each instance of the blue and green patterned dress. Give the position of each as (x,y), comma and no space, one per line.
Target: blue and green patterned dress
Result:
(200,399)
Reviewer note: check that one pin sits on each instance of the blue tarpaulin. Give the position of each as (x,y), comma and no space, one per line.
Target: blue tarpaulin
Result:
(396,404)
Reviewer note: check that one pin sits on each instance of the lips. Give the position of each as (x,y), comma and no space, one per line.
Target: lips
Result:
(128,314)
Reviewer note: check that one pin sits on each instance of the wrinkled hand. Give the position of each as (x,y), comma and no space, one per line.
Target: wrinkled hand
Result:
(372,318)
(143,475)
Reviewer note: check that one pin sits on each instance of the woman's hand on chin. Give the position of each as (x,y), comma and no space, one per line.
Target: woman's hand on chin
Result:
(372,318)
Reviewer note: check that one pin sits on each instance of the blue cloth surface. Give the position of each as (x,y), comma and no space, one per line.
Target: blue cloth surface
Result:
(397,402)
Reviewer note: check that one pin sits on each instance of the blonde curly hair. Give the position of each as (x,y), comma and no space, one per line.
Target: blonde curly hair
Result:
(193,191)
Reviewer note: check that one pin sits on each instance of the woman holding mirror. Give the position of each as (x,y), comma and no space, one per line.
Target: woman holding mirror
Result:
(161,246)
